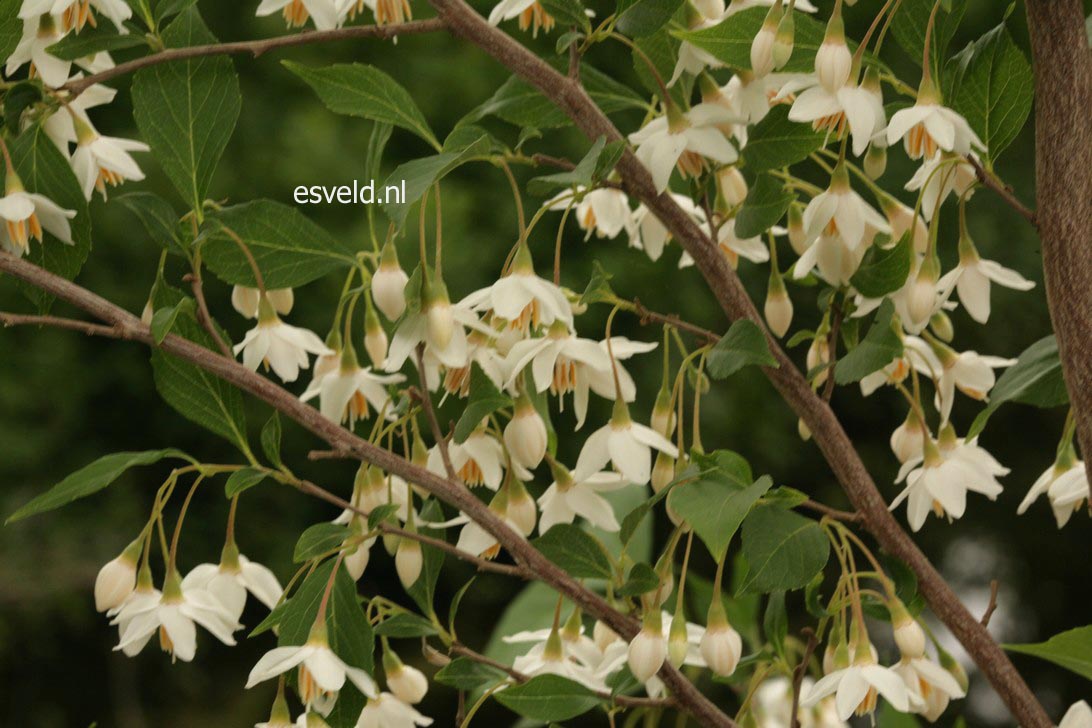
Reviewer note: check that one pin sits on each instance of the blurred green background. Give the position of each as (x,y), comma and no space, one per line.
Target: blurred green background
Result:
(66,399)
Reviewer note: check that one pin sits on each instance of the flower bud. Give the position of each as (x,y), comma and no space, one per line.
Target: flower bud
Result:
(721,648)
(762,62)
(389,284)
(663,472)
(408,684)
(875,161)
(923,293)
(357,561)
(648,650)
(603,636)
(908,439)
(778,308)
(833,61)
(909,635)
(677,642)
(440,317)
(147,314)
(375,338)
(783,41)
(521,508)
(117,578)
(803,430)
(525,435)
(731,188)
(797,237)
(818,355)
(941,325)
(244,299)
(408,561)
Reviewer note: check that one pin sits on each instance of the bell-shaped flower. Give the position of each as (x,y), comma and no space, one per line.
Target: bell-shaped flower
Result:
(27,214)
(326,14)
(40,31)
(386,12)
(229,581)
(940,176)
(603,210)
(387,711)
(75,14)
(734,247)
(650,235)
(521,298)
(279,345)
(840,212)
(602,382)
(686,140)
(567,498)
(773,703)
(552,655)
(625,444)
(345,393)
(1079,715)
(972,278)
(478,460)
(929,685)
(531,15)
(102,160)
(857,687)
(1065,484)
(968,371)
(116,579)
(446,343)
(247,301)
(928,127)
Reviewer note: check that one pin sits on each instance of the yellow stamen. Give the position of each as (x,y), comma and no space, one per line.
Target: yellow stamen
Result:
(536,17)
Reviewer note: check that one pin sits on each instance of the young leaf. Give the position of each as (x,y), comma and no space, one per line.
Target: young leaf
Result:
(289,249)
(784,549)
(418,175)
(1072,650)
(484,400)
(157,216)
(1035,379)
(744,344)
(465,674)
(405,625)
(585,171)
(91,479)
(90,41)
(776,142)
(548,697)
(571,548)
(641,580)
(637,18)
(358,90)
(271,439)
(730,40)
(881,345)
(767,202)
(598,289)
(186,110)
(319,539)
(715,505)
(164,318)
(883,272)
(241,480)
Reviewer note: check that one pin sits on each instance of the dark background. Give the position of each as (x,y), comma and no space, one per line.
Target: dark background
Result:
(66,399)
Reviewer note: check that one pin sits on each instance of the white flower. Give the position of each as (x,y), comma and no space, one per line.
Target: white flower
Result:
(971,279)
(74,14)
(856,688)
(970,373)
(833,61)
(625,444)
(928,127)
(247,301)
(841,212)
(694,60)
(389,284)
(476,540)
(604,210)
(525,435)
(325,13)
(478,460)
(386,12)
(101,160)
(26,214)
(601,381)
(321,672)
(646,654)
(567,498)
(938,177)
(835,259)
(930,686)
(531,14)
(1079,715)
(39,33)
(521,298)
(387,711)
(228,584)
(280,346)
(173,614)
(556,653)
(721,648)
(59,126)
(684,139)
(734,247)
(406,683)
(116,579)
(344,394)
(650,235)
(415,329)
(940,479)
(1065,484)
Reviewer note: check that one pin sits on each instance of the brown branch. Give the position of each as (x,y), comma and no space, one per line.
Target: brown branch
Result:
(462,650)
(203,315)
(254,48)
(1063,174)
(837,515)
(798,675)
(130,328)
(330,455)
(829,436)
(992,606)
(647,316)
(8,320)
(990,180)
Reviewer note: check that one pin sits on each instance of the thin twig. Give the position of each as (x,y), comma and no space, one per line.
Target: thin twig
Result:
(647,316)
(203,315)
(990,180)
(845,516)
(430,414)
(254,48)
(992,606)
(832,347)
(799,672)
(17,319)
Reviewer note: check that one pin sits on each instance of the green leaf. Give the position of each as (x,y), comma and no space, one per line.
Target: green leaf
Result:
(417,176)
(1035,379)
(195,393)
(909,25)
(358,90)
(271,439)
(456,601)
(784,550)
(17,100)
(775,623)
(11,26)
(241,480)
(767,202)
(548,697)
(163,319)
(637,18)
(993,87)
(405,625)
(186,110)
(90,41)
(92,478)
(1072,650)
(166,8)
(319,540)
(380,514)
(884,271)
(641,580)
(890,717)
(157,216)
(598,289)
(567,13)
(743,345)
(881,345)
(424,589)
(465,674)
(46,171)
(484,400)
(289,249)
(776,142)
(730,40)
(571,548)
(599,161)
(716,504)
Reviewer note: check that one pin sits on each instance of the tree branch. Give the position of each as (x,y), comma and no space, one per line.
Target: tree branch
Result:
(827,431)
(1063,174)
(990,180)
(129,327)
(8,320)
(254,48)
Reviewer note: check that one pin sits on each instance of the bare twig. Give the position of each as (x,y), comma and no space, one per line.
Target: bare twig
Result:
(203,315)
(845,516)
(430,415)
(647,316)
(330,455)
(16,319)
(990,180)
(992,606)
(798,674)
(254,48)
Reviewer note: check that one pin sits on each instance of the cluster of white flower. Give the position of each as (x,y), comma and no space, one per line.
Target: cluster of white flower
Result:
(331,14)
(97,160)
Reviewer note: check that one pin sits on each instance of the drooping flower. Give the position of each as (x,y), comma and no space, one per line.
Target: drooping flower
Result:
(387,711)
(571,656)
(928,127)
(116,579)
(603,210)
(940,176)
(27,214)
(386,12)
(246,300)
(39,33)
(59,126)
(841,212)
(1065,484)
(478,460)
(686,140)
(972,277)
(531,15)
(324,13)
(525,435)
(102,160)
(521,298)
(650,235)
(567,498)
(346,393)
(229,581)
(1079,715)
(279,345)
(857,687)
(389,284)
(625,444)
(75,14)
(929,685)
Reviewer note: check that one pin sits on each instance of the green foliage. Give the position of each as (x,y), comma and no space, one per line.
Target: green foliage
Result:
(90,41)
(783,549)
(1035,379)
(910,23)
(186,110)
(641,579)
(767,202)
(729,41)
(776,142)
(462,673)
(11,26)
(91,479)
(157,217)
(637,18)
(882,272)
(271,439)
(484,399)
(596,164)
(745,344)
(880,346)
(1072,650)
(319,540)
(405,625)
(420,174)
(548,697)
(243,480)
(163,320)
(715,503)
(575,551)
